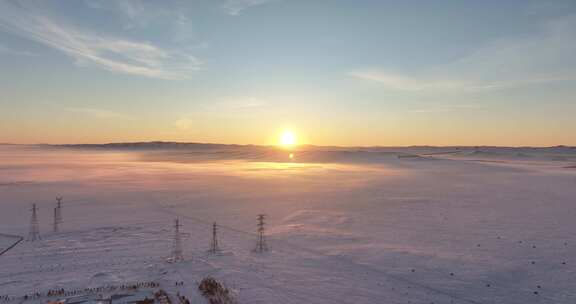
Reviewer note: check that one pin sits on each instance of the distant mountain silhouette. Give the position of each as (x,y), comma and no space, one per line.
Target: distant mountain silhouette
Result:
(431,149)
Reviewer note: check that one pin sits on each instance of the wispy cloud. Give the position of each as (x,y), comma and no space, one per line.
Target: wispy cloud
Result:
(173,16)
(133,12)
(398,81)
(11,51)
(183,124)
(448,108)
(236,7)
(236,105)
(91,49)
(543,57)
(227,107)
(97,113)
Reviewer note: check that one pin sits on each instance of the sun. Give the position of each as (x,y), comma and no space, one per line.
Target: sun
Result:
(287,139)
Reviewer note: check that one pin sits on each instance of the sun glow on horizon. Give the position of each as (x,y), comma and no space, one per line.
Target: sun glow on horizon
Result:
(288,139)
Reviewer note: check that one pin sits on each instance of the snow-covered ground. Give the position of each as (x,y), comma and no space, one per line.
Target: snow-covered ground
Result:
(377,225)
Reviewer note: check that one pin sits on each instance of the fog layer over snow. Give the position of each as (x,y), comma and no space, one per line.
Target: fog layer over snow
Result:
(365,225)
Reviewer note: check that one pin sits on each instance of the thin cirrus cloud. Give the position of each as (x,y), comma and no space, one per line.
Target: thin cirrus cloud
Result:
(543,57)
(11,51)
(133,12)
(402,82)
(238,106)
(138,14)
(183,124)
(236,7)
(448,108)
(94,50)
(97,113)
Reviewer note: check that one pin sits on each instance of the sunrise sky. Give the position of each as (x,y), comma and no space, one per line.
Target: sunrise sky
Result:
(334,72)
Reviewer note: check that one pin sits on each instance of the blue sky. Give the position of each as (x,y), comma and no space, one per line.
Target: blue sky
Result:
(336,72)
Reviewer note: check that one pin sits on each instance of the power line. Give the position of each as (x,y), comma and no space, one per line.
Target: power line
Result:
(19,239)
(348,261)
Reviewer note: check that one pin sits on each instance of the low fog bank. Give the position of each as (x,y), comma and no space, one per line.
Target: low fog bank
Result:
(193,152)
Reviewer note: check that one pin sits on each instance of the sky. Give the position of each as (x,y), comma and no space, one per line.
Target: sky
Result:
(335,72)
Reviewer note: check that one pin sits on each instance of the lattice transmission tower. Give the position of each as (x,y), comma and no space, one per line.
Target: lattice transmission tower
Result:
(177,255)
(57,215)
(214,248)
(261,245)
(59,208)
(34,233)
(55,223)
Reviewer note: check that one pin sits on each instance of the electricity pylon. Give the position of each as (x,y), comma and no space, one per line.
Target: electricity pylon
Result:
(261,243)
(59,218)
(177,255)
(55,223)
(57,215)
(34,233)
(214,243)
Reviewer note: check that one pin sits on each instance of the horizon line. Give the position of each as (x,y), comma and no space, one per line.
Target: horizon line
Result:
(272,145)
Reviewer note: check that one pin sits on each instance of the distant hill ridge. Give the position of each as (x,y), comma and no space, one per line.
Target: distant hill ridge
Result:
(195,145)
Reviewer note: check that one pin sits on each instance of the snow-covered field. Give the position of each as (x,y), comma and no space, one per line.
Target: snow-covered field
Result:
(378,225)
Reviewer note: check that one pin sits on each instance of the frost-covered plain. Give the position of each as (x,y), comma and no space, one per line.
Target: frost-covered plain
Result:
(374,225)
